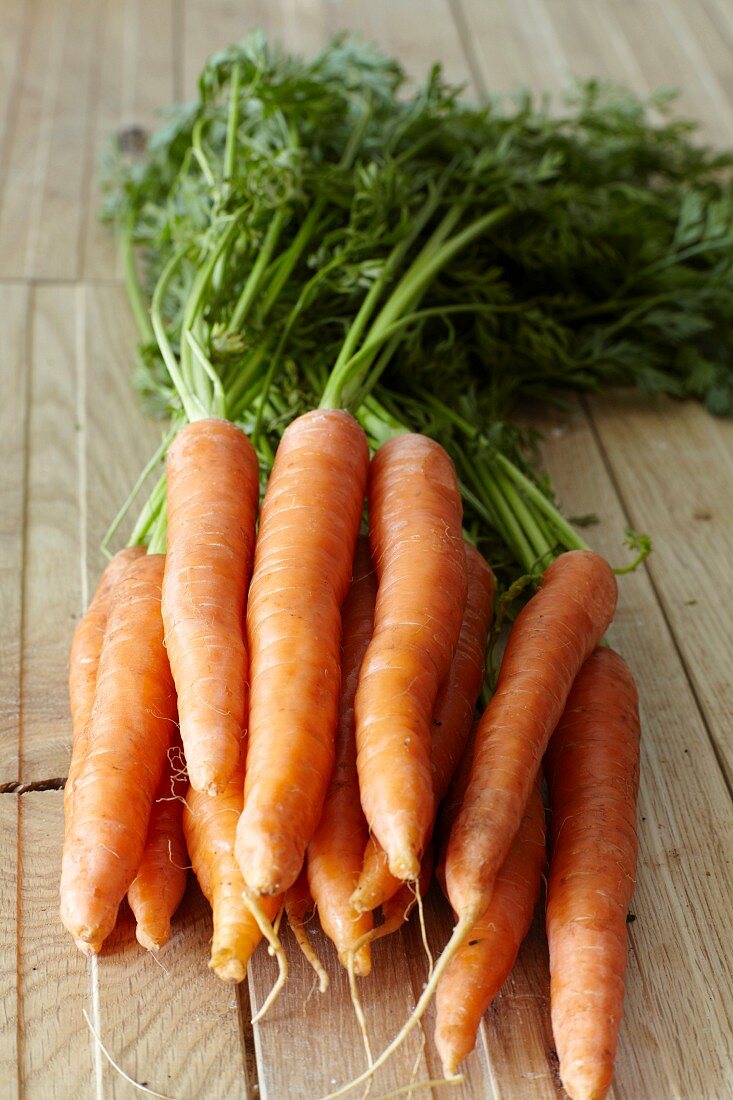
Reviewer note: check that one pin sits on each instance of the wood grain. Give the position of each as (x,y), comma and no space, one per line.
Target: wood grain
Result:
(169,1021)
(305,26)
(690,516)
(56,1057)
(14,306)
(9,932)
(135,80)
(52,595)
(46,167)
(118,438)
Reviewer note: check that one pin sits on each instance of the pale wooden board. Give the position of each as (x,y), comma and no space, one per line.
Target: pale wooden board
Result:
(118,437)
(680,967)
(136,80)
(13,20)
(51,580)
(55,1055)
(14,306)
(418,32)
(46,169)
(9,947)
(170,1023)
(674,468)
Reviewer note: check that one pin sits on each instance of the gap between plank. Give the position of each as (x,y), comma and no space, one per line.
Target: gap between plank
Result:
(658,597)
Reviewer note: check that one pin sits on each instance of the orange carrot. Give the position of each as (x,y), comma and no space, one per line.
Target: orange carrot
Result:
(417,548)
(209,825)
(335,851)
(86,646)
(156,891)
(212,492)
(551,638)
(132,726)
(305,548)
(452,720)
(481,967)
(593,773)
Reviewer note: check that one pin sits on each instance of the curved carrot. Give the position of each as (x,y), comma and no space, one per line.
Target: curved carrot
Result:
(593,773)
(212,492)
(209,825)
(452,720)
(86,646)
(417,548)
(335,852)
(156,891)
(481,967)
(305,548)
(551,638)
(132,726)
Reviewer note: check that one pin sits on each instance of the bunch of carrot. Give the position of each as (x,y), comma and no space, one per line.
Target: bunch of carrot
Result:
(324,688)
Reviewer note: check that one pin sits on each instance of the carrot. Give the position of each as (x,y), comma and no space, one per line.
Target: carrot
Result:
(86,646)
(156,891)
(308,529)
(593,774)
(299,905)
(552,637)
(415,528)
(212,492)
(481,967)
(209,825)
(452,720)
(335,852)
(131,728)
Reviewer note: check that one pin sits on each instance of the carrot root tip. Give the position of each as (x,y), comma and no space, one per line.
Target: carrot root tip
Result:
(230,970)
(152,942)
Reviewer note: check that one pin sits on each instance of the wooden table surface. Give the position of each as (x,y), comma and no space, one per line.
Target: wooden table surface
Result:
(72,440)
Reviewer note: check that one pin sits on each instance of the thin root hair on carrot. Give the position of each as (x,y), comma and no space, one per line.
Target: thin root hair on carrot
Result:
(118,1069)
(309,952)
(460,934)
(359,1013)
(267,930)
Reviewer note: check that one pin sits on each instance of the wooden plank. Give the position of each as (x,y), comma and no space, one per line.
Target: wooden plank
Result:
(14,307)
(45,172)
(51,583)
(9,947)
(14,16)
(684,884)
(291,1063)
(54,1061)
(674,466)
(418,33)
(170,1023)
(515,45)
(135,81)
(118,437)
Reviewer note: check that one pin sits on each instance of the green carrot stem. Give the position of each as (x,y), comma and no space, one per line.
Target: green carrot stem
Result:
(150,465)
(192,404)
(252,285)
(230,148)
(571,540)
(132,283)
(149,513)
